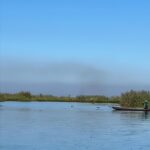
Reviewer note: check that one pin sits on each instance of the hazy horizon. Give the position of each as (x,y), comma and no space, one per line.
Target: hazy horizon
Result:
(74,47)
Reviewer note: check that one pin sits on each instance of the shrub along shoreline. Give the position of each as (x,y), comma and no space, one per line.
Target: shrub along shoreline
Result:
(127,99)
(27,96)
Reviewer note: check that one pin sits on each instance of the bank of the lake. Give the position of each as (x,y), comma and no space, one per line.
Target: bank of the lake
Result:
(27,96)
(128,99)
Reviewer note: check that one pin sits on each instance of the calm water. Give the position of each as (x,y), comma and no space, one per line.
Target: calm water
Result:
(71,126)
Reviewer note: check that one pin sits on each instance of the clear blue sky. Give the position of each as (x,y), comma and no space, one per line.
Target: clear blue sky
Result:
(74,47)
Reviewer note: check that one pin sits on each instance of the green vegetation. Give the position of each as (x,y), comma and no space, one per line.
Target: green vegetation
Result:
(128,99)
(27,96)
(134,98)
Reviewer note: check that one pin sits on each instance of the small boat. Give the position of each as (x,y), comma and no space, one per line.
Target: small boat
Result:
(129,109)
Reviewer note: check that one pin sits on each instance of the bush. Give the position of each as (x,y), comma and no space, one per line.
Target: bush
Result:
(134,98)
(25,94)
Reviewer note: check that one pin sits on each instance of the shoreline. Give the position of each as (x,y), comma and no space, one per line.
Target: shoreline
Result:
(28,97)
(128,99)
(74,101)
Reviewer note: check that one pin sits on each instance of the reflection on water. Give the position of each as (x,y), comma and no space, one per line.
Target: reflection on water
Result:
(146,115)
(131,115)
(65,126)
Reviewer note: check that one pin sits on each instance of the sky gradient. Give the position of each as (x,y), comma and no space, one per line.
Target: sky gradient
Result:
(73,47)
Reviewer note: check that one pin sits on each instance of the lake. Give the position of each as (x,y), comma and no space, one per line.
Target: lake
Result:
(71,126)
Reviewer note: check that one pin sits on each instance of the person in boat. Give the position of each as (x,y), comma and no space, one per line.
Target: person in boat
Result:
(145,104)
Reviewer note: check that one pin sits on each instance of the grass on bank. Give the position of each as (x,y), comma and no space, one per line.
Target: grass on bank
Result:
(27,96)
(127,99)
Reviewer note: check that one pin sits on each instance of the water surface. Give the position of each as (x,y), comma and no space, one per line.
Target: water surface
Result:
(71,126)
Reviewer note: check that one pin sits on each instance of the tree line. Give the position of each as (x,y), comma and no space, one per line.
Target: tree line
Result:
(128,99)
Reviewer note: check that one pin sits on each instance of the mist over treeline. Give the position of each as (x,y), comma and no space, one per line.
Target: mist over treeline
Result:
(69,77)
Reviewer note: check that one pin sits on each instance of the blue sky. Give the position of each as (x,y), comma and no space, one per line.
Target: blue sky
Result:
(73,47)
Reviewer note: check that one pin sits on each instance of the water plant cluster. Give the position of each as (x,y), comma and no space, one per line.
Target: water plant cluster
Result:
(134,98)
